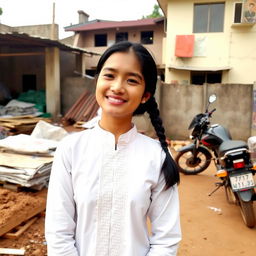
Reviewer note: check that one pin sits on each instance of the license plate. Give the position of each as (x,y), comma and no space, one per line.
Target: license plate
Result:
(242,181)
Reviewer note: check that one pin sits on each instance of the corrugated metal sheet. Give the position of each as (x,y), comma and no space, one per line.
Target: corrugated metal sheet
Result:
(84,109)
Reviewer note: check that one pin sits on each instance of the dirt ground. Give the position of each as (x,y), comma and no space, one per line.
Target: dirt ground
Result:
(210,225)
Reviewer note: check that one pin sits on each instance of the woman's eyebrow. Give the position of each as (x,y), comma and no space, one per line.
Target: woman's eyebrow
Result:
(109,69)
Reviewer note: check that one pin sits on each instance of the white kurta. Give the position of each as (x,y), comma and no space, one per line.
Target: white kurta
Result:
(100,195)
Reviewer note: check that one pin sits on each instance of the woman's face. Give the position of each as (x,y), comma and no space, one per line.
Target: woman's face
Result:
(120,85)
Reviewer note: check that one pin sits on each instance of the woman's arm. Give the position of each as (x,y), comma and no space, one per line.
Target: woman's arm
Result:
(60,222)
(165,220)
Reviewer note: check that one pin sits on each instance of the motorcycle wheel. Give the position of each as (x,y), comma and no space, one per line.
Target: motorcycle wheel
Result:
(190,165)
(247,212)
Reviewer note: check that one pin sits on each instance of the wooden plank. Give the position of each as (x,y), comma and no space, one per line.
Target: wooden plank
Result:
(11,186)
(18,219)
(20,121)
(20,229)
(9,251)
(8,125)
(17,117)
(21,54)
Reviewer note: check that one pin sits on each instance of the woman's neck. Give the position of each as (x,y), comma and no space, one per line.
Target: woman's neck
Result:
(116,126)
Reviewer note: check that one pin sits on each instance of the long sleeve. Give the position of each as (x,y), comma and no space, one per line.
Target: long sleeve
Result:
(60,210)
(165,220)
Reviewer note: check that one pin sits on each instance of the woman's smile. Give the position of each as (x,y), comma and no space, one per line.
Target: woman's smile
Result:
(115,100)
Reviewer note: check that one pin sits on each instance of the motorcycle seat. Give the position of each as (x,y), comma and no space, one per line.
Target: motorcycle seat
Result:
(228,145)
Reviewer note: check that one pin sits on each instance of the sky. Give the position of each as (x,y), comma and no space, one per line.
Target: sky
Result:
(33,12)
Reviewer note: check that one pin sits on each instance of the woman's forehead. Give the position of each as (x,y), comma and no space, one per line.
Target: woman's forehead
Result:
(123,60)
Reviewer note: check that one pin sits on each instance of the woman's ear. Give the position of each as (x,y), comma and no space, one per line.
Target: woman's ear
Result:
(145,97)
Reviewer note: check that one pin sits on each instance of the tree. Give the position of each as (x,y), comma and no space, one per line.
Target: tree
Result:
(1,11)
(155,13)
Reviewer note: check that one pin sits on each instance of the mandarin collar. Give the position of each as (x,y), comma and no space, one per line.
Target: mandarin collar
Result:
(123,139)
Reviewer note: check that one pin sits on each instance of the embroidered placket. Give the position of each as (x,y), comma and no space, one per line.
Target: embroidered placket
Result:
(111,205)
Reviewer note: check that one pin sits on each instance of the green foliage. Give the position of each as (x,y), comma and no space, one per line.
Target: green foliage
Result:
(1,11)
(156,13)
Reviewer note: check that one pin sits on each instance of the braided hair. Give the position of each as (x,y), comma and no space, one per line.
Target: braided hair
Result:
(149,72)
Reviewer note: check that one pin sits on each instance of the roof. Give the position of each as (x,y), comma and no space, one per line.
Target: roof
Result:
(191,68)
(99,24)
(15,39)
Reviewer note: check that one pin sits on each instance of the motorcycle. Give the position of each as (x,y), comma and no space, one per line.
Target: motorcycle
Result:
(231,158)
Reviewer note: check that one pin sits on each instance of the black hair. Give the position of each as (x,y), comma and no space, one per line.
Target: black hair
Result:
(149,72)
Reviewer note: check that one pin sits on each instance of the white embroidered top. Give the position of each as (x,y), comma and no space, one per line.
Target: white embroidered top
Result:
(100,195)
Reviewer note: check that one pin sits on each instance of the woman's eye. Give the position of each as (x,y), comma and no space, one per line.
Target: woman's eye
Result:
(108,76)
(132,81)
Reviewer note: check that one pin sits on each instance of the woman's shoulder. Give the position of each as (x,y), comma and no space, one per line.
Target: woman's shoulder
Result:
(149,142)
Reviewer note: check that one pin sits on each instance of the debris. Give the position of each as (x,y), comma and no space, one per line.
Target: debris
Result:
(218,210)
(20,124)
(17,108)
(12,251)
(20,229)
(44,130)
(3,133)
(17,208)
(26,144)
(84,109)
(26,160)
(25,170)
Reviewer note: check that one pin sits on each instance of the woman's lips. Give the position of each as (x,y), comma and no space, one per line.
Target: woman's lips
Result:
(116,100)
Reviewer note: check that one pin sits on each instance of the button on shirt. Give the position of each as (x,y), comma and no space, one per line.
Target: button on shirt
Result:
(100,195)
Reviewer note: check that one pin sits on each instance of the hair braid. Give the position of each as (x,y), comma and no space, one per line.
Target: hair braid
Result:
(169,167)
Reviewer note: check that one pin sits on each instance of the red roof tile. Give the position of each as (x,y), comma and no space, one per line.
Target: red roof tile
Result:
(114,24)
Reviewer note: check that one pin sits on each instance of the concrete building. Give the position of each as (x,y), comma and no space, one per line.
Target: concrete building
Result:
(30,60)
(97,35)
(209,41)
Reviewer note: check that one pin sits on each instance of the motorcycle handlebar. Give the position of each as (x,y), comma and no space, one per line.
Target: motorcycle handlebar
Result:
(210,113)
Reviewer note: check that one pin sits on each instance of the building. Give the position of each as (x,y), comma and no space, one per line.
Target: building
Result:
(210,41)
(32,61)
(97,35)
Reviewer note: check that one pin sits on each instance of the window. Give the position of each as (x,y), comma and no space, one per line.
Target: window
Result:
(146,37)
(101,40)
(201,77)
(208,17)
(238,12)
(122,36)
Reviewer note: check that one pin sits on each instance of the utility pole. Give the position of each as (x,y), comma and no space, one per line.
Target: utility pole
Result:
(53,22)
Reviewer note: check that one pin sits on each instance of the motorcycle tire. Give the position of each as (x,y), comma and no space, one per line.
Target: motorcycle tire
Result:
(247,212)
(193,165)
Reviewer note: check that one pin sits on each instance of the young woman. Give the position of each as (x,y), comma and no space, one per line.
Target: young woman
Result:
(106,181)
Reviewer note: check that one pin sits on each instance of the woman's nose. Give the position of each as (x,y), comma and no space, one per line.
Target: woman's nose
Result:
(117,86)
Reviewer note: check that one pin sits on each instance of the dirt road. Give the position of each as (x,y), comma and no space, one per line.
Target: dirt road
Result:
(210,225)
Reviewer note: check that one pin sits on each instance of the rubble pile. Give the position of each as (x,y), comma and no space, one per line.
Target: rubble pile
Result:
(18,108)
(26,160)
